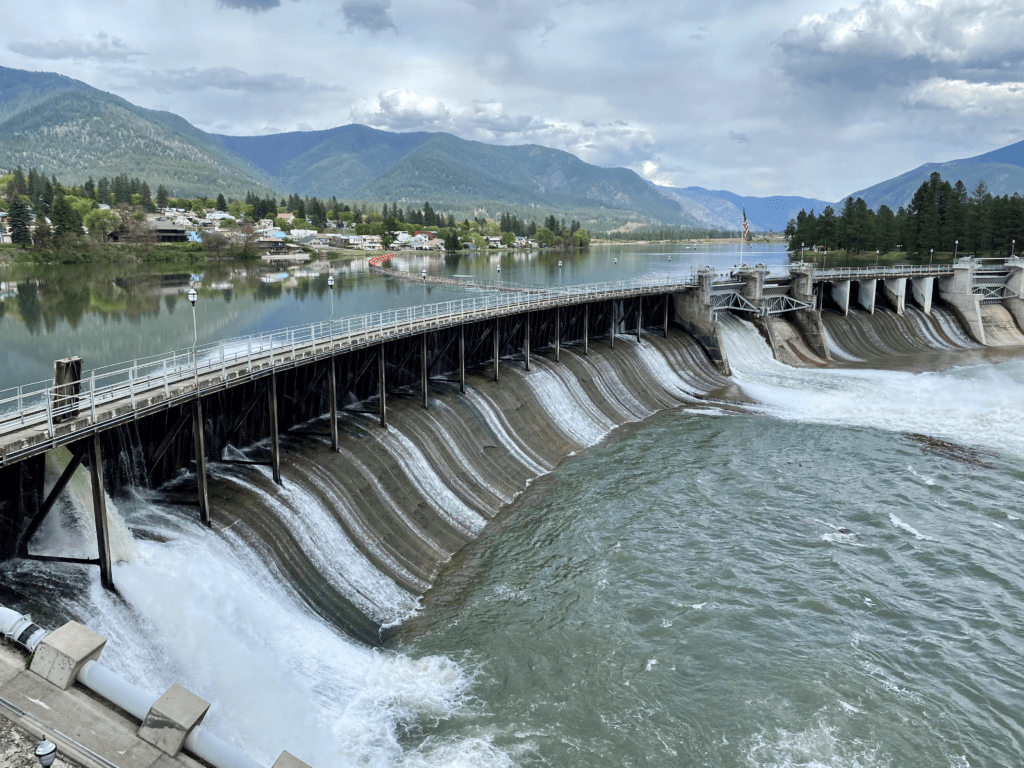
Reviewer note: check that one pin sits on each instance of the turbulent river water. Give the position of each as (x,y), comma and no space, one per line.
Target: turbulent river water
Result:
(766,571)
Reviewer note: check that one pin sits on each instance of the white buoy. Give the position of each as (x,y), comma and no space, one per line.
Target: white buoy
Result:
(616,261)
(559,263)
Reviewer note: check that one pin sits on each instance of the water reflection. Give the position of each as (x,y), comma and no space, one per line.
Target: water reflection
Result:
(110,313)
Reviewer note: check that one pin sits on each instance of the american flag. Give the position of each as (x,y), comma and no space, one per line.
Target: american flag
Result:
(746,227)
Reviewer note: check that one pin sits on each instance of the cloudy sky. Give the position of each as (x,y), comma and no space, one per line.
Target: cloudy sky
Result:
(809,97)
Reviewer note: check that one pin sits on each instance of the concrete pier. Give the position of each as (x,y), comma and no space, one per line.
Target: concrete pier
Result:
(695,314)
(958,292)
(895,291)
(808,319)
(1015,283)
(866,293)
(921,289)
(841,295)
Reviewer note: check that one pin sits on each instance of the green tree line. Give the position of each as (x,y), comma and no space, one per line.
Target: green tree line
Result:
(941,216)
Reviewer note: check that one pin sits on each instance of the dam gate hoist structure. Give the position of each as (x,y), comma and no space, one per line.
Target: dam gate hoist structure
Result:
(188,406)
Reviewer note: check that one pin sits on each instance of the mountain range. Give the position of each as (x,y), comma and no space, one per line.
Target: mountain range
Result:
(68,128)
(1002,170)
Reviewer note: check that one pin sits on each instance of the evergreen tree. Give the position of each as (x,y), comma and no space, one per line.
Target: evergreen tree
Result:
(162,200)
(147,197)
(222,204)
(19,186)
(65,217)
(18,219)
(90,188)
(103,189)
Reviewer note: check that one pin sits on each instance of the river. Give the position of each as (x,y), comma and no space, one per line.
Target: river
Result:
(789,581)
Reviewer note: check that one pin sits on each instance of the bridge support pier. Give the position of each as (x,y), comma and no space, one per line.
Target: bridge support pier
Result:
(611,332)
(200,448)
(841,295)
(695,314)
(497,348)
(866,294)
(332,380)
(895,290)
(526,342)
(99,509)
(586,329)
(382,384)
(462,358)
(1015,282)
(424,373)
(958,292)
(808,320)
(558,334)
(921,292)
(275,438)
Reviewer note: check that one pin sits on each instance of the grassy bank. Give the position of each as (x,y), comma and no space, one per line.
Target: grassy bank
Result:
(869,258)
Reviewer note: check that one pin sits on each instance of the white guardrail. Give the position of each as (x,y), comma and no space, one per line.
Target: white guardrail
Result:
(40,403)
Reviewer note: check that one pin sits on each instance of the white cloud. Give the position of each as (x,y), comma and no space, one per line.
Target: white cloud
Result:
(101,47)
(614,142)
(994,100)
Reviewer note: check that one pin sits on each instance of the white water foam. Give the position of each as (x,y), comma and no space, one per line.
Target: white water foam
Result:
(977,405)
(817,746)
(909,528)
(69,529)
(207,613)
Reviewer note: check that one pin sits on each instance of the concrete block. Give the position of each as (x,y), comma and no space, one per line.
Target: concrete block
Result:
(288,760)
(63,653)
(172,718)
(841,295)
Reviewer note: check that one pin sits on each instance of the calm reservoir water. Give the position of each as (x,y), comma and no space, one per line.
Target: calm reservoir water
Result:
(795,585)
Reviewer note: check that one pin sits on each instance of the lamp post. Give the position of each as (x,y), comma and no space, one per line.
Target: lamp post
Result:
(1013,245)
(877,252)
(801,252)
(956,247)
(330,285)
(930,254)
(192,296)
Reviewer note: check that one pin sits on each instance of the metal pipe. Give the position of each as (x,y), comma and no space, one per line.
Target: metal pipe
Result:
(216,751)
(20,630)
(107,684)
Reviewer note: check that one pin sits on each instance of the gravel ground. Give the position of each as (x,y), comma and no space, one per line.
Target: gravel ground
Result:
(17,748)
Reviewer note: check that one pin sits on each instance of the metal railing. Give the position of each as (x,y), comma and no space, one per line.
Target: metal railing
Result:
(897,270)
(184,371)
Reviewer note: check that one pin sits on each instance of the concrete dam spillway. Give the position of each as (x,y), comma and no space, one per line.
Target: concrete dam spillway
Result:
(357,534)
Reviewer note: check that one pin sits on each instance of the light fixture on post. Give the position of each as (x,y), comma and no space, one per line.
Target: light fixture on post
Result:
(930,255)
(877,252)
(192,296)
(330,286)
(956,247)
(1013,246)
(46,752)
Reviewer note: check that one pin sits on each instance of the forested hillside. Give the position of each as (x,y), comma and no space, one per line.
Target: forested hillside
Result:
(68,128)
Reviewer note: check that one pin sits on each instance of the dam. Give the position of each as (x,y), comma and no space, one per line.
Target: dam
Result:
(565,344)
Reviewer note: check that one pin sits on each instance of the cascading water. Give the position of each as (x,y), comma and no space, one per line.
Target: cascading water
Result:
(577,651)
(208,609)
(970,404)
